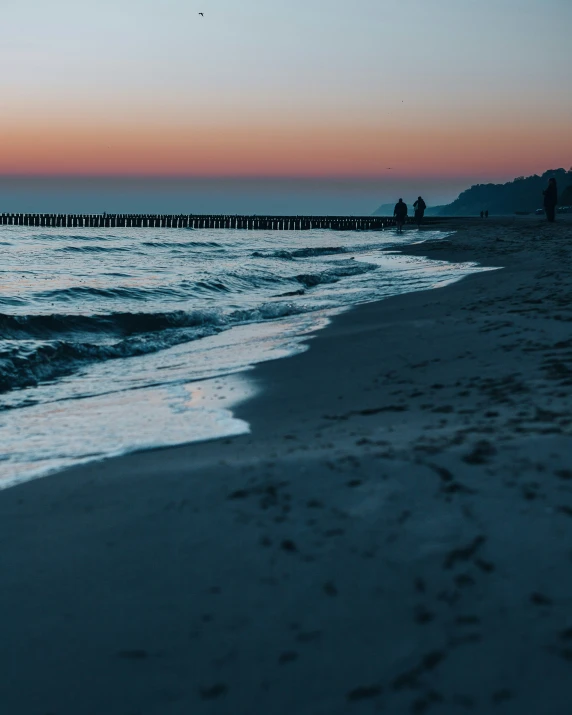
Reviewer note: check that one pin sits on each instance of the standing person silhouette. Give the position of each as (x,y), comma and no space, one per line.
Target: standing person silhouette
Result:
(419,207)
(551,199)
(400,213)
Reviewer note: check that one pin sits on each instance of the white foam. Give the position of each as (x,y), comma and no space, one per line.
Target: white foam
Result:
(158,400)
(49,437)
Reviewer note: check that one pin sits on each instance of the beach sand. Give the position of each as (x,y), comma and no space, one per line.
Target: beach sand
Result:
(395,534)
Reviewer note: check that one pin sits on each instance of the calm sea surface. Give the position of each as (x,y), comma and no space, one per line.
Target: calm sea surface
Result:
(123,339)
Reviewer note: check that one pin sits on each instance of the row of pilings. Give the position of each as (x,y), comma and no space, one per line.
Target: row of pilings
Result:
(265,223)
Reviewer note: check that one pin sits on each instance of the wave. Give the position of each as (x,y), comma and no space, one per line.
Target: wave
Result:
(26,364)
(302,252)
(229,283)
(83,293)
(27,367)
(233,282)
(181,244)
(313,252)
(96,249)
(216,286)
(53,326)
(236,282)
(12,300)
(267,311)
(75,237)
(333,275)
(47,327)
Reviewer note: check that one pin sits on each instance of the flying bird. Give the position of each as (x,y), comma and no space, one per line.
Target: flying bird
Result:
(202,13)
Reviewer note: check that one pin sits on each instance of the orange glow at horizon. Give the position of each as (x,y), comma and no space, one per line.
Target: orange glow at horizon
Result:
(274,148)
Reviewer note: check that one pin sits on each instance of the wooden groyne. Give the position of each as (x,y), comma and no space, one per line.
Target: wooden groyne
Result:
(263,223)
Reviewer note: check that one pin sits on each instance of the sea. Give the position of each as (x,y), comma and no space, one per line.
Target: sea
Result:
(117,340)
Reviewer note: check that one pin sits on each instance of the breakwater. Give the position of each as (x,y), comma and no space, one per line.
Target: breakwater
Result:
(265,223)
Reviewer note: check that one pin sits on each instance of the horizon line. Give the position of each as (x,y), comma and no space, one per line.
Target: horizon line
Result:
(388,174)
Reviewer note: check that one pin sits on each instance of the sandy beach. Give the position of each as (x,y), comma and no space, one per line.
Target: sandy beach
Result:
(395,534)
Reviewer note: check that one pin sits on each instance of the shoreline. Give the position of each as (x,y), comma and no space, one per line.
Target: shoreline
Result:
(394,533)
(240,340)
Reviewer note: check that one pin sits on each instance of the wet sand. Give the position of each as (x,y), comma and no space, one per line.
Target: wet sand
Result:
(395,535)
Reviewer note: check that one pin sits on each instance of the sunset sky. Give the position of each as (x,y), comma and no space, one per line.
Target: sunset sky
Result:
(317,89)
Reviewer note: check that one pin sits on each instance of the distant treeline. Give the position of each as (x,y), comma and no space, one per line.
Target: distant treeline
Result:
(524,194)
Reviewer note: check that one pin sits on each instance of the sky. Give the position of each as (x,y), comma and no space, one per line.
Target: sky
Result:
(304,94)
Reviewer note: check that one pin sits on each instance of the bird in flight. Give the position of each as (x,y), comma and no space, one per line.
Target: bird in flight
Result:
(202,14)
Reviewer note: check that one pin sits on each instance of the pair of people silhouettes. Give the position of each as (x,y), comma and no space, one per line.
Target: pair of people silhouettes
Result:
(400,212)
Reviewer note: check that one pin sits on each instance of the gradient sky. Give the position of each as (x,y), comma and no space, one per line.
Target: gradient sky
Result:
(308,88)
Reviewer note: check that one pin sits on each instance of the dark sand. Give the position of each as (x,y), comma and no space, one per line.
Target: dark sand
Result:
(394,536)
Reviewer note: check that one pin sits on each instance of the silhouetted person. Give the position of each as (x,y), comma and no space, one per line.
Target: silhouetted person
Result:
(482,214)
(487,213)
(551,199)
(400,213)
(419,207)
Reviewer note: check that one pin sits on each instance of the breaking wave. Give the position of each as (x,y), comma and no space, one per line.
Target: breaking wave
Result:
(96,339)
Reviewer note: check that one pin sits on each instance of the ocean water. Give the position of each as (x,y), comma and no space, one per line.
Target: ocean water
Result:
(123,339)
